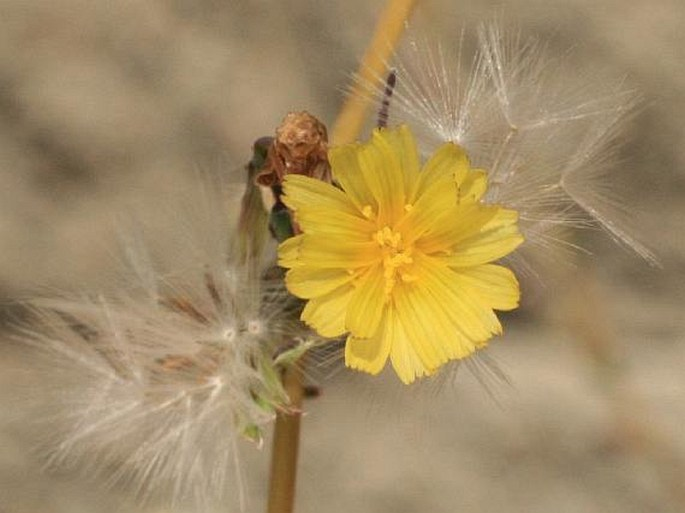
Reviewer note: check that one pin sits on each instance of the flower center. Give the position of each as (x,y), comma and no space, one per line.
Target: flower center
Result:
(396,258)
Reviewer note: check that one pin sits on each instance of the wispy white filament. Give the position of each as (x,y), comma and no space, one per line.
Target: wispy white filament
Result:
(546,133)
(153,385)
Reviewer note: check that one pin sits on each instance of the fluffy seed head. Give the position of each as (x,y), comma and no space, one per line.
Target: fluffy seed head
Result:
(545,132)
(153,386)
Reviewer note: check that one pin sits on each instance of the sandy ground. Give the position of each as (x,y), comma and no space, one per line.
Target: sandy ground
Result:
(101,102)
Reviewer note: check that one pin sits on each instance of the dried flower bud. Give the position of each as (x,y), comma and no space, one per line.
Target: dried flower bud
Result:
(300,147)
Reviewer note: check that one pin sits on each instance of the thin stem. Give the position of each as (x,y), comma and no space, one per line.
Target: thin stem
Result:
(374,64)
(286,445)
(346,128)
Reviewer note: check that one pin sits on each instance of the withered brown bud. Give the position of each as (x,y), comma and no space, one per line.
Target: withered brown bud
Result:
(300,147)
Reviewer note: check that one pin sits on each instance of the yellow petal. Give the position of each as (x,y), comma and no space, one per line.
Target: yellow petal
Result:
(330,251)
(346,169)
(321,207)
(427,211)
(304,192)
(326,314)
(454,225)
(496,285)
(487,247)
(468,313)
(318,221)
(472,187)
(370,354)
(423,330)
(367,304)
(431,328)
(384,176)
(404,358)
(497,238)
(435,191)
(403,144)
(447,165)
(289,251)
(308,282)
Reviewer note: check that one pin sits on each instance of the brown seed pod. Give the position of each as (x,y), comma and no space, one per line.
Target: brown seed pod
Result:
(300,147)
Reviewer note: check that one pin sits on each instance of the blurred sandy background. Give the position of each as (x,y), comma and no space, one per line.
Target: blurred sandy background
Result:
(101,102)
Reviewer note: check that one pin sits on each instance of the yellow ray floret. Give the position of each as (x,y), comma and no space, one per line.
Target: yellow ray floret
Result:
(398,257)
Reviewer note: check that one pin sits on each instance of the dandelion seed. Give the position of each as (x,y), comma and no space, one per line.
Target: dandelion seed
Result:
(546,134)
(399,257)
(153,387)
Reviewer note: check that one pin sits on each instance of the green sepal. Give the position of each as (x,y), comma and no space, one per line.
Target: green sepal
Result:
(254,434)
(293,354)
(254,220)
(273,382)
(280,223)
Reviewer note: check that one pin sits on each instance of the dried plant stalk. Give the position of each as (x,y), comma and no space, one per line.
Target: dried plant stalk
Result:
(286,446)
(390,26)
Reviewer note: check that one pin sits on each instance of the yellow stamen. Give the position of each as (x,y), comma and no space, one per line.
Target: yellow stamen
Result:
(367,211)
(395,257)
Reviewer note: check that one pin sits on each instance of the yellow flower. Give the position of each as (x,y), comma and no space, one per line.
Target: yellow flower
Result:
(399,258)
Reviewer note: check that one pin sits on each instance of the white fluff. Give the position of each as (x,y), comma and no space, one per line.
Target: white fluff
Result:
(545,132)
(152,385)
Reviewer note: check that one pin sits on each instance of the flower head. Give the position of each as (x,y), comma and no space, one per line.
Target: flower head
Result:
(400,257)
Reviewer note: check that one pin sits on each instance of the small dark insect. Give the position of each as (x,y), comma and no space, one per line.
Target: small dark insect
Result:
(383,112)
